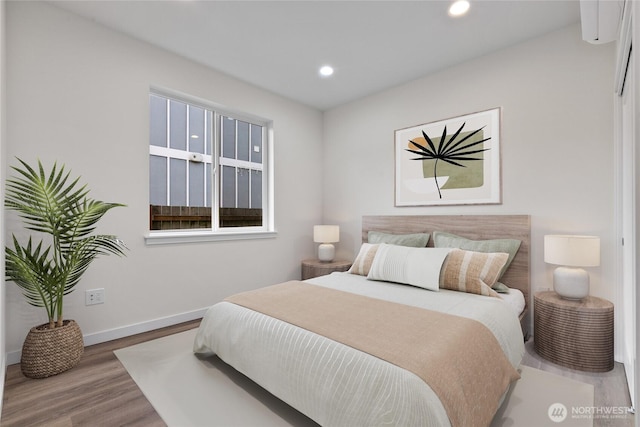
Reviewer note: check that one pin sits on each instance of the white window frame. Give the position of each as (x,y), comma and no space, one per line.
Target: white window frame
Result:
(173,153)
(236,163)
(217,233)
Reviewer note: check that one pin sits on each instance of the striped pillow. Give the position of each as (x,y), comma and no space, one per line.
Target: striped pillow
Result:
(363,261)
(473,272)
(419,267)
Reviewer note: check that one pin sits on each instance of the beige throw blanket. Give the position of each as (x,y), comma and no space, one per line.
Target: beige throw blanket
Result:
(458,358)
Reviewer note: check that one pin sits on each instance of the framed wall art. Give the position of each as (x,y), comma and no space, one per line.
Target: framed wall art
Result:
(449,162)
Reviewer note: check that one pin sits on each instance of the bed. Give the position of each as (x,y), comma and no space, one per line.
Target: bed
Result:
(331,361)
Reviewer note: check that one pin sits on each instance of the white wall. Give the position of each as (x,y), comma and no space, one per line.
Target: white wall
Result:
(3,323)
(556,95)
(78,93)
(636,99)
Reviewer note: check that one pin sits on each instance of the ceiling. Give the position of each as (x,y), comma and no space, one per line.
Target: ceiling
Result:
(373,45)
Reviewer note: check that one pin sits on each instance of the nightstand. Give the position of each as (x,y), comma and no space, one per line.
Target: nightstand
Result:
(313,267)
(574,334)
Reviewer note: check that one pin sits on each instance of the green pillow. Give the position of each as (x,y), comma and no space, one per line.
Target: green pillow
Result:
(508,246)
(500,288)
(416,240)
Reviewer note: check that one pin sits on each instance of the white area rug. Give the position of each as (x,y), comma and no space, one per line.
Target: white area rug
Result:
(188,391)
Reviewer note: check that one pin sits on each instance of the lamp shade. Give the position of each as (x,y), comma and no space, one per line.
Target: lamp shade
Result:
(572,251)
(326,233)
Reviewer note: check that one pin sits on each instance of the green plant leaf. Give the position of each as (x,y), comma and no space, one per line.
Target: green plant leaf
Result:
(54,204)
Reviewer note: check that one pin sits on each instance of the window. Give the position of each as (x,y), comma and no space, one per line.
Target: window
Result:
(208,169)
(241,178)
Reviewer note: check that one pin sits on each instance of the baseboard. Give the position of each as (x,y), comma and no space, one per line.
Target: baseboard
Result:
(3,372)
(126,331)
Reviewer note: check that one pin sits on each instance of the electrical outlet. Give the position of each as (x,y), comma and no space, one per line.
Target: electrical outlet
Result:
(94,296)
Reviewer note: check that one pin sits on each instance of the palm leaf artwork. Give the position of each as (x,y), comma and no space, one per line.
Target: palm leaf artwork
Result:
(55,205)
(448,150)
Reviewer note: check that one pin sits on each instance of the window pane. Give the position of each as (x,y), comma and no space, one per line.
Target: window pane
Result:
(196,184)
(158,180)
(178,186)
(228,199)
(243,141)
(196,130)
(243,188)
(256,189)
(208,177)
(158,128)
(256,144)
(207,145)
(228,137)
(178,125)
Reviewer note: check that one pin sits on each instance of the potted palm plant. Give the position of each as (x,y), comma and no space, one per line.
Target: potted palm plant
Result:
(57,207)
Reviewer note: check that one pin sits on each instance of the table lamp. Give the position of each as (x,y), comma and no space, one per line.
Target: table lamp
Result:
(326,235)
(570,253)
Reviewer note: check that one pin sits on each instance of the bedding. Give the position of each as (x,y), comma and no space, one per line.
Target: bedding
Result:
(412,266)
(474,272)
(397,333)
(362,264)
(481,231)
(338,385)
(514,298)
(415,240)
(432,268)
(508,246)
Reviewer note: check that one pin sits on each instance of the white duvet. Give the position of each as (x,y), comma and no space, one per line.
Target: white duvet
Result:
(336,385)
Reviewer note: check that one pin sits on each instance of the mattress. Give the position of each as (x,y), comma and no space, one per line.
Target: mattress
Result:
(334,384)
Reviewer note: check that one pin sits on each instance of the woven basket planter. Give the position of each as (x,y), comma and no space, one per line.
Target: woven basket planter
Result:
(47,352)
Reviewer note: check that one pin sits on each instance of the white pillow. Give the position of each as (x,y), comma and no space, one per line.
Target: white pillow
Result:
(412,266)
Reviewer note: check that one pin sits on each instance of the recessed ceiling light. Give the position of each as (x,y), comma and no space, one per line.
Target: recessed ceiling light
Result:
(459,8)
(326,70)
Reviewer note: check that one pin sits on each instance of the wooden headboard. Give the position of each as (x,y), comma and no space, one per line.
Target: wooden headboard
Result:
(476,227)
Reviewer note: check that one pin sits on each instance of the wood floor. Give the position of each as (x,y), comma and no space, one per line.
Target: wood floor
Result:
(97,392)
(100,392)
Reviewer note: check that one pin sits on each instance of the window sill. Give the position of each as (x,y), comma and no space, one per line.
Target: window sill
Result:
(180,237)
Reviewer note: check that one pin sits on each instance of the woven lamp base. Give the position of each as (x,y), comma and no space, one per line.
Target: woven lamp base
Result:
(47,352)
